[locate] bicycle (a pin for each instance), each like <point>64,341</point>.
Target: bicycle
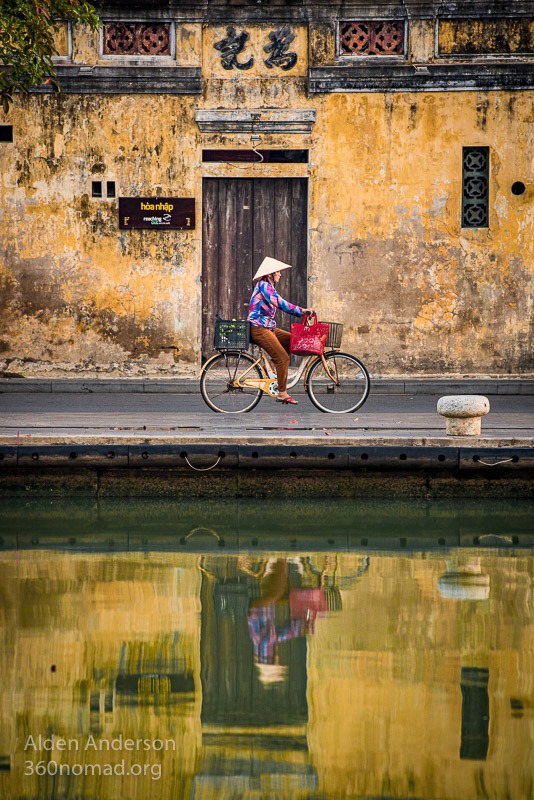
<point>233,380</point>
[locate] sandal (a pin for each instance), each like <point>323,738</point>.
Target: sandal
<point>287,400</point>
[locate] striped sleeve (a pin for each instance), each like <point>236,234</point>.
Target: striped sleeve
<point>272,297</point>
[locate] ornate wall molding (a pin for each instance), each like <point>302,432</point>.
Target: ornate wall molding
<point>255,120</point>
<point>125,79</point>
<point>429,77</point>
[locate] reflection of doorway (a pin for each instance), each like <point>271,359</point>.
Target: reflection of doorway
<point>243,220</point>
<point>232,694</point>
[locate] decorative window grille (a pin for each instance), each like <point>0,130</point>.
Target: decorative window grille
<point>372,38</point>
<point>475,187</point>
<point>137,39</point>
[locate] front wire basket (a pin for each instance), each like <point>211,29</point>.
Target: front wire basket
<point>335,334</point>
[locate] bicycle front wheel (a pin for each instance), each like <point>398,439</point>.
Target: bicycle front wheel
<point>342,388</point>
<point>218,383</point>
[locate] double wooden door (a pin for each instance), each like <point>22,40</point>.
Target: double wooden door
<point>244,220</point>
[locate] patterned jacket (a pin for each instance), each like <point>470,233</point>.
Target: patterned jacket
<point>264,303</point>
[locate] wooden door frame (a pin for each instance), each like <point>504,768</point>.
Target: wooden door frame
<point>284,233</point>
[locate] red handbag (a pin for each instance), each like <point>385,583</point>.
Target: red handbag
<point>306,604</point>
<point>308,338</point>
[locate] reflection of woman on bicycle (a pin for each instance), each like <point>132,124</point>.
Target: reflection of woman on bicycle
<point>264,303</point>
<point>293,592</point>
<point>279,614</point>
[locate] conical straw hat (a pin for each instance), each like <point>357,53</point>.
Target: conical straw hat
<point>269,265</point>
<point>271,673</point>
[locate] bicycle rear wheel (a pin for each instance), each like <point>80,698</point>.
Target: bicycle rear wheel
<point>342,391</point>
<point>218,387</point>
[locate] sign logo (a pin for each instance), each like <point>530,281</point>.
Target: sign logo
<point>163,213</point>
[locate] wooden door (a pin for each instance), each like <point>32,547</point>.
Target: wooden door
<point>244,220</point>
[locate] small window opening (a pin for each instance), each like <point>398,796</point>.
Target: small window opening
<point>518,188</point>
<point>475,187</point>
<point>269,156</point>
<point>6,133</point>
<point>96,188</point>
<point>137,39</point>
<point>372,37</point>
<point>110,188</point>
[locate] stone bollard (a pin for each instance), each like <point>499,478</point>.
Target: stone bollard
<point>462,413</point>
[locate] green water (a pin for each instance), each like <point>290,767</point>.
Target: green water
<point>341,649</point>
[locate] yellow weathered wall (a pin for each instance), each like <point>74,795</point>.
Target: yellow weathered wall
<point>486,36</point>
<point>79,293</point>
<point>385,702</point>
<point>79,614</point>
<point>387,255</point>
<point>61,40</point>
<point>417,292</point>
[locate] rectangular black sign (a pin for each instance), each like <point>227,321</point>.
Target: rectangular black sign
<point>161,213</point>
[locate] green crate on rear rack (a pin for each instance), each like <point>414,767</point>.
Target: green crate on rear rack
<point>232,334</point>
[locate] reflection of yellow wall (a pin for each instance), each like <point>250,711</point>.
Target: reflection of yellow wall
<point>384,697</point>
<point>81,615</point>
<point>387,255</point>
<point>384,683</point>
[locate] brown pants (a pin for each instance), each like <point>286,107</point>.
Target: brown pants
<point>276,344</point>
<point>275,586</point>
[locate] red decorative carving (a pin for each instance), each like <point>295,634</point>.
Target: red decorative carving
<point>372,38</point>
<point>137,39</point>
<point>154,40</point>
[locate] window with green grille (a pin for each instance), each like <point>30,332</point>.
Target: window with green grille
<point>475,187</point>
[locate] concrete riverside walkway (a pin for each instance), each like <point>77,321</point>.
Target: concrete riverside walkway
<point>105,412</point>
<point>159,439</point>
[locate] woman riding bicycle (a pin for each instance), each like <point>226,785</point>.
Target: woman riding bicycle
<point>234,380</point>
<point>264,303</point>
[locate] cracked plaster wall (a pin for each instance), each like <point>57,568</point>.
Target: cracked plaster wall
<point>418,292</point>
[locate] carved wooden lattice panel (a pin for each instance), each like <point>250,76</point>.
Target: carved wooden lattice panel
<point>137,39</point>
<point>372,38</point>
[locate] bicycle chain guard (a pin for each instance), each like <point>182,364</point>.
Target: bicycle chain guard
<point>267,385</point>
